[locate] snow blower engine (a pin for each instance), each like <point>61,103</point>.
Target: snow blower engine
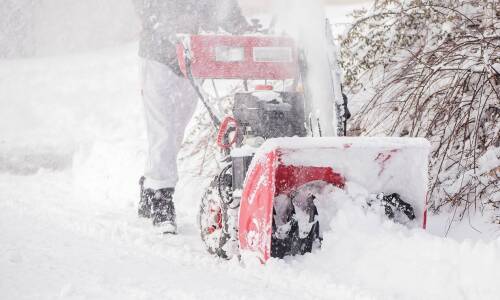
<point>265,202</point>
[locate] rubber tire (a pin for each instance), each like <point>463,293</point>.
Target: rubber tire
<point>215,241</point>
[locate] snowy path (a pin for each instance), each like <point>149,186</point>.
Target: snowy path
<point>60,248</point>
<point>71,150</point>
<point>60,251</point>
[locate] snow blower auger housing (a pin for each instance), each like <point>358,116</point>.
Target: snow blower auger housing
<point>265,201</point>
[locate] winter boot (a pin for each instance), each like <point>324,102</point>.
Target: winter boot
<point>144,209</point>
<point>158,205</point>
<point>163,210</point>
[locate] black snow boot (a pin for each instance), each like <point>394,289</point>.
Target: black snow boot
<point>158,205</point>
<point>144,209</point>
<point>163,210</point>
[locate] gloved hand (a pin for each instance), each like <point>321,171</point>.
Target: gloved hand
<point>255,26</point>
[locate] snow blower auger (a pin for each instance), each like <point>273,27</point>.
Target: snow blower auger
<point>264,202</point>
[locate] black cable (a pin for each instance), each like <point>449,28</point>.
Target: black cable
<point>347,113</point>
<point>220,184</point>
<point>216,122</point>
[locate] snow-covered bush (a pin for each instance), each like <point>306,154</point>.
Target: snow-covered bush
<point>432,69</point>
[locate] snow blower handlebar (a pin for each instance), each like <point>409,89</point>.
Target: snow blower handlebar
<point>235,57</point>
<point>239,57</point>
<point>187,62</point>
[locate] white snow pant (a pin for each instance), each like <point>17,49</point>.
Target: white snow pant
<point>169,104</point>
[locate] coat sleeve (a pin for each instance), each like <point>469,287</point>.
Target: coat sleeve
<point>230,18</point>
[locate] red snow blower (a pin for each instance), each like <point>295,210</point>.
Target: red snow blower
<point>264,202</point>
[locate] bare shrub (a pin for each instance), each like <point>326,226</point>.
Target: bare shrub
<point>432,69</point>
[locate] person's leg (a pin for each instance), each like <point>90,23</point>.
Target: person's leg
<point>169,103</point>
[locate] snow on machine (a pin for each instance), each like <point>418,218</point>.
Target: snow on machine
<point>280,157</point>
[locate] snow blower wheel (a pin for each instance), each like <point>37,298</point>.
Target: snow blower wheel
<point>213,216</point>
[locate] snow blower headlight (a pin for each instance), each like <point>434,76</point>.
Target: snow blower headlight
<point>272,54</point>
<point>229,54</point>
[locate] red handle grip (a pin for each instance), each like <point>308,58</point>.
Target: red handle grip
<point>223,130</point>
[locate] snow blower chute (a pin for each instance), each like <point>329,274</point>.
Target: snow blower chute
<point>264,201</point>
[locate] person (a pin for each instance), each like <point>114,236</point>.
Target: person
<point>169,99</point>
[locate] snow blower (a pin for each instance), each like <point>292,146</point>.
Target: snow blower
<point>264,202</point>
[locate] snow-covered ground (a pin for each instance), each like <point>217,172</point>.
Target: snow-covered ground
<point>72,146</point>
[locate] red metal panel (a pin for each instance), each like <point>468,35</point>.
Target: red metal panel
<point>255,222</point>
<point>205,65</point>
<point>269,178</point>
<point>289,178</point>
